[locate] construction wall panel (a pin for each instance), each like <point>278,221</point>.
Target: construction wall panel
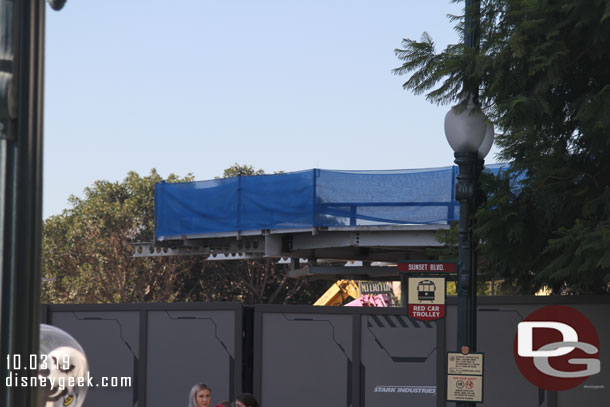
<point>189,347</point>
<point>111,342</point>
<point>306,360</point>
<point>398,361</point>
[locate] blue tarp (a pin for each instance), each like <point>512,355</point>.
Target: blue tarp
<point>305,199</point>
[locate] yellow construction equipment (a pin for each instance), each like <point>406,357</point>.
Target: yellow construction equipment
<point>339,292</point>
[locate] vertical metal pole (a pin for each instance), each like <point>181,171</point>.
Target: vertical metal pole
<point>477,200</point>
<point>467,195</point>
<point>21,188</point>
<point>466,290</point>
<point>7,191</point>
<point>472,10</point>
<point>472,14</point>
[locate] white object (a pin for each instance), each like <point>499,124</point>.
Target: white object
<point>465,131</point>
<point>64,367</point>
<point>525,338</point>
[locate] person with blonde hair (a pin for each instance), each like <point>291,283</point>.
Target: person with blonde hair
<point>201,396</point>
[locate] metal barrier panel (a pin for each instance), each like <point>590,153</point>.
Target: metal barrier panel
<point>164,349</point>
<point>305,355</point>
<point>110,340</point>
<point>398,361</point>
<point>595,391</point>
<point>504,385</point>
<point>306,360</point>
<point>335,356</point>
<point>189,347</point>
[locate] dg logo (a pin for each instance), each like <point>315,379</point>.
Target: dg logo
<point>556,348</point>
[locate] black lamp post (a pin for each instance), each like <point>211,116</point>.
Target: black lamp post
<point>471,137</point>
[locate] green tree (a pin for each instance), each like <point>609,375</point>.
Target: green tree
<point>543,72</point>
<point>237,169</point>
<point>86,251</point>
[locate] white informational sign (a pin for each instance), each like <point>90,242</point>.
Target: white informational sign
<point>465,388</point>
<point>470,364</point>
<point>465,376</point>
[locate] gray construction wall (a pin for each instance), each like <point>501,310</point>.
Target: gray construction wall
<point>344,356</point>
<point>504,384</point>
<point>164,348</point>
<point>305,355</point>
<point>185,347</point>
<point>398,359</point>
<point>111,342</point>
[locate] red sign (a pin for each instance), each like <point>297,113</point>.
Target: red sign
<point>557,348</point>
<point>427,267</point>
<point>426,312</point>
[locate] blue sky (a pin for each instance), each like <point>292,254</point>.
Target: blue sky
<point>194,86</point>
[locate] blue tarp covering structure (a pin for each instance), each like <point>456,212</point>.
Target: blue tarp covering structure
<point>306,199</point>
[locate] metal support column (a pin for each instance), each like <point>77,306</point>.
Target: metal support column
<point>467,281</point>
<point>21,100</point>
<point>466,194</point>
